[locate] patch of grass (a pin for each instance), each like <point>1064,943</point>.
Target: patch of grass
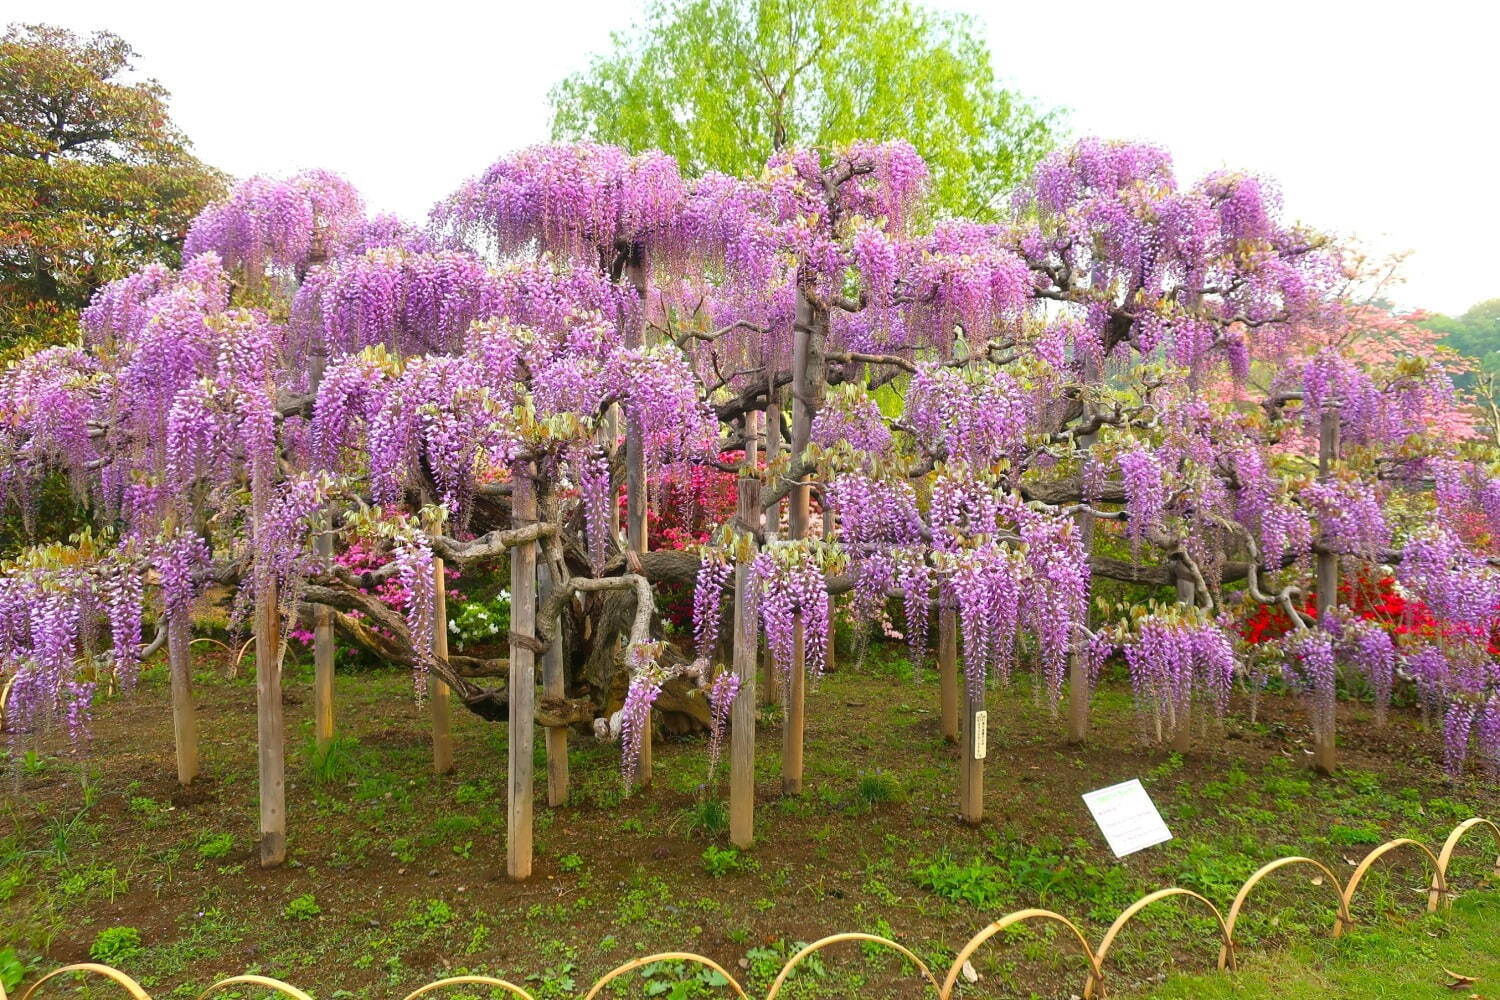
<point>114,945</point>
<point>877,788</point>
<point>304,907</point>
<point>1408,959</point>
<point>709,817</point>
<point>212,846</point>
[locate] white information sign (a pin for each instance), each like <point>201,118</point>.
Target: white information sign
<point>1127,817</point>
<point>981,735</point>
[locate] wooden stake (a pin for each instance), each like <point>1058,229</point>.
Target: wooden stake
<point>808,387</point>
<point>184,712</point>
<point>554,685</point>
<point>770,691</point>
<point>323,647</point>
<point>522,684</point>
<point>270,727</point>
<point>1078,666</point>
<point>948,681</point>
<point>1325,751</point>
<point>1182,722</point>
<point>830,658</point>
<point>746,638</point>
<point>634,274</point>
<point>975,749</point>
<point>437,689</point>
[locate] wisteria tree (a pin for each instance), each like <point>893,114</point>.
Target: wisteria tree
<point>1126,379</point>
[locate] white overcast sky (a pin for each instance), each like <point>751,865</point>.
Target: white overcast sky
<point>1376,118</point>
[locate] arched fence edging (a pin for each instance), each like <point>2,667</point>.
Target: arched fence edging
<point>1439,893</point>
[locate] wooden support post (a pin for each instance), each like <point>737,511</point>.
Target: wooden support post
<point>522,733</point>
<point>438,692</point>
<point>323,670</point>
<point>184,712</point>
<point>323,647</point>
<point>1325,750</point>
<point>554,685</point>
<point>635,479</point>
<point>1078,664</point>
<point>809,384</point>
<point>746,639</point>
<point>270,724</point>
<point>1182,715</point>
<point>947,662</point>
<point>770,691</point>
<point>975,749</point>
<point>830,658</point>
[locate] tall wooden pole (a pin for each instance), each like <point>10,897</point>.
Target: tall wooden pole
<point>323,647</point>
<point>746,638</point>
<point>1325,749</point>
<point>554,685</point>
<point>771,689</point>
<point>519,788</point>
<point>947,663</point>
<point>1078,665</point>
<point>438,692</point>
<point>184,712</point>
<point>1182,715</point>
<point>809,383</point>
<point>975,743</point>
<point>270,724</point>
<point>830,662</point>
<point>635,475</point>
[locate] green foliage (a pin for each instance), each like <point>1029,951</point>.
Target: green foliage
<point>115,945</point>
<point>304,907</point>
<point>12,969</point>
<point>877,788</point>
<point>722,84</point>
<point>976,882</point>
<point>212,846</point>
<point>1476,333</point>
<point>680,981</point>
<point>333,763</point>
<point>1355,836</point>
<point>95,180</point>
<point>570,863</point>
<point>709,817</point>
<point>428,916</point>
<point>478,622</point>
<point>721,861</point>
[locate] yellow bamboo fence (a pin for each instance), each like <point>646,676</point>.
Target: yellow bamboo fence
<point>1341,899</point>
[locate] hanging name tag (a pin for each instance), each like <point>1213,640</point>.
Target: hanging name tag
<point>981,735</point>
<point>1127,817</point>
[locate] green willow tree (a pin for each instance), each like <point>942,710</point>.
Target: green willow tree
<point>95,179</point>
<point>722,84</point>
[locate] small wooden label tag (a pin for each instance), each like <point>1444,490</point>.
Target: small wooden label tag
<point>981,734</point>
